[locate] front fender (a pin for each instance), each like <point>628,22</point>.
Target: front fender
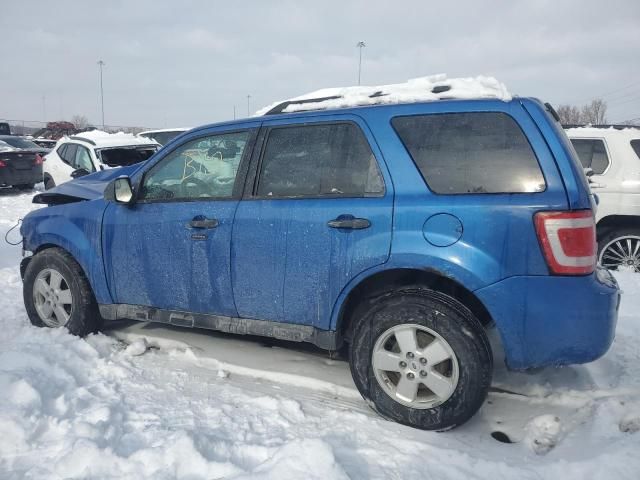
<point>76,228</point>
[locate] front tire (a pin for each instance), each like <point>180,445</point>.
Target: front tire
<point>57,294</point>
<point>49,183</point>
<point>420,358</point>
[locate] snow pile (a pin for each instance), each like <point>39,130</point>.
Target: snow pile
<point>121,137</point>
<point>543,433</point>
<point>423,89</point>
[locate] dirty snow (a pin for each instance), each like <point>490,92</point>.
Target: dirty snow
<point>145,401</point>
<point>414,90</point>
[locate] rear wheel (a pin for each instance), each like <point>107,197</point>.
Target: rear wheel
<point>57,294</point>
<point>620,250</point>
<point>420,358</point>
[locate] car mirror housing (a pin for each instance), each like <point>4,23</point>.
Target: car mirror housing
<point>80,172</point>
<point>119,191</point>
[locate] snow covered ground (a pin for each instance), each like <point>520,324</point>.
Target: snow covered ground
<point>145,401</point>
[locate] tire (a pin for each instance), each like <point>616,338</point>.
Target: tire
<point>49,183</point>
<point>25,186</point>
<point>622,255</point>
<point>437,317</point>
<point>83,316</point>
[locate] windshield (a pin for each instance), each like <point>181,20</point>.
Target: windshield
<point>162,137</point>
<point>18,142</point>
<point>124,156</point>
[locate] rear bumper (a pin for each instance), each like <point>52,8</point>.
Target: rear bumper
<point>554,320</point>
<point>9,176</point>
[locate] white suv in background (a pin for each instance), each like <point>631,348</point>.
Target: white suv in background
<point>613,155</point>
<point>88,152</point>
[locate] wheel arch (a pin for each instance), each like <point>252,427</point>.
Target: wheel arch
<point>611,222</point>
<point>389,279</point>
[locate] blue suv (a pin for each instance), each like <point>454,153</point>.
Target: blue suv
<point>403,231</point>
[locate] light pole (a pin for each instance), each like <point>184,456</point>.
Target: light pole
<point>101,64</point>
<point>360,46</point>
<point>248,109</point>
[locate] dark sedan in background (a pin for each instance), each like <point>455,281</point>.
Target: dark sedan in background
<point>20,162</point>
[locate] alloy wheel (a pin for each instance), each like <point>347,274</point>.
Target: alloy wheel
<point>622,253</point>
<point>52,298</point>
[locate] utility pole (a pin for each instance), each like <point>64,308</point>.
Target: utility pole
<point>360,46</point>
<point>44,109</point>
<point>248,109</point>
<point>234,112</point>
<point>101,64</point>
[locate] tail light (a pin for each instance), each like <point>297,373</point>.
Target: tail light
<point>2,164</point>
<point>568,241</point>
<point>38,160</point>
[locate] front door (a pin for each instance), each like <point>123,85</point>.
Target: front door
<point>171,249</point>
<point>318,215</point>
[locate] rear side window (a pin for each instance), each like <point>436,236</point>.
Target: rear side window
<point>635,144</point>
<point>69,153</point>
<point>592,154</point>
<point>474,152</point>
<point>319,160</point>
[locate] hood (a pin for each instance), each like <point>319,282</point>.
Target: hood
<point>89,187</point>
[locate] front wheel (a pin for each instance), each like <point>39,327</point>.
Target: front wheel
<point>57,294</point>
<point>421,358</point>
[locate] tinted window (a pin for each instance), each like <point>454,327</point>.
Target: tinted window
<point>69,153</point>
<point>18,142</point>
<point>479,152</point>
<point>592,154</point>
<point>635,144</point>
<point>203,168</point>
<point>312,160</point>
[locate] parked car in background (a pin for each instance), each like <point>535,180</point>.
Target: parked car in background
<point>44,142</point>
<point>612,153</point>
<point>383,227</point>
<point>163,136</point>
<point>20,162</point>
<point>5,128</point>
<point>89,152</point>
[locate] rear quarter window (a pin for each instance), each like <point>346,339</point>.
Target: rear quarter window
<point>474,152</point>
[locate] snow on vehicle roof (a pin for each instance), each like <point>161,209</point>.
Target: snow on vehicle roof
<point>104,139</point>
<point>423,89</point>
<point>631,132</point>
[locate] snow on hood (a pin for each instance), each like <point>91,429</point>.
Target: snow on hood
<point>423,89</point>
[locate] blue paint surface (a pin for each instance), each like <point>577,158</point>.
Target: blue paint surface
<point>276,259</point>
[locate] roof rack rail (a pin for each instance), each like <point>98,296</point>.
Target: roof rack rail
<point>617,126</point>
<point>281,107</point>
<point>82,139</point>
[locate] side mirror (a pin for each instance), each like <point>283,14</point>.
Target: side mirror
<point>81,172</point>
<point>119,191</point>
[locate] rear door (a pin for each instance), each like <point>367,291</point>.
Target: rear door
<point>318,214</point>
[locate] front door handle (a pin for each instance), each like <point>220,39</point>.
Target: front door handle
<point>203,222</point>
<point>349,222</point>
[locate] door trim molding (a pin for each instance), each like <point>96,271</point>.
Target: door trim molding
<point>325,339</point>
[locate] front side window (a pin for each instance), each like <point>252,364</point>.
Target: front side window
<point>83,159</point>
<point>592,154</point>
<point>203,168</point>
<point>474,152</point>
<point>319,160</point>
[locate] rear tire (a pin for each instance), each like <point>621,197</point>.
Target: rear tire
<point>49,183</point>
<point>452,356</point>
<point>57,294</point>
<point>620,248</point>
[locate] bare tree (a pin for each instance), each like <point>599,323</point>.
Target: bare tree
<point>80,122</point>
<point>595,113</point>
<point>569,115</point>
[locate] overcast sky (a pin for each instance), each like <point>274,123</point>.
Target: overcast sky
<point>188,63</point>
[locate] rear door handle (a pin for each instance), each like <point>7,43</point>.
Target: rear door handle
<point>202,222</point>
<point>349,222</point>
